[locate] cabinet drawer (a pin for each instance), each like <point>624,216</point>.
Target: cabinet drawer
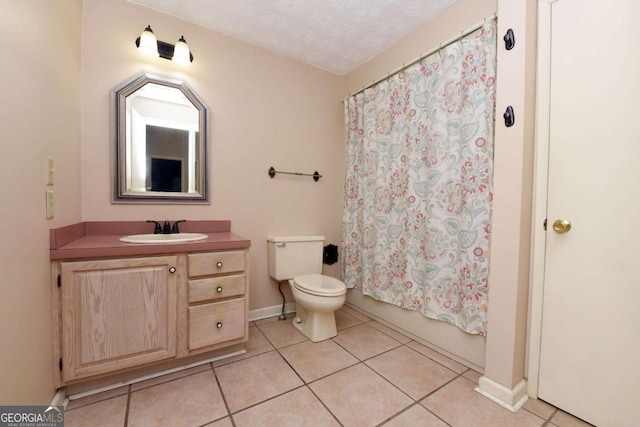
<point>216,288</point>
<point>215,263</point>
<point>215,323</point>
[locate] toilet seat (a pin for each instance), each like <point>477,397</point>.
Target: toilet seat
<point>318,284</point>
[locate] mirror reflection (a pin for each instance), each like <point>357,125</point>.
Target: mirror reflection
<point>161,142</point>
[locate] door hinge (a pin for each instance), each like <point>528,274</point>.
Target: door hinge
<point>59,280</point>
<point>544,224</point>
<point>60,364</point>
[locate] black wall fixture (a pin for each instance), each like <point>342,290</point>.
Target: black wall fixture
<point>330,254</point>
<point>509,117</point>
<point>509,39</point>
<point>509,42</point>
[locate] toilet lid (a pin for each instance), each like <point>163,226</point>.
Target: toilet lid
<point>319,284</point>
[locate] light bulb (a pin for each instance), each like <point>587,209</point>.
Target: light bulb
<point>181,54</point>
<point>148,42</point>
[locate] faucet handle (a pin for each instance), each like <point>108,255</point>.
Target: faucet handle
<point>175,229</point>
<point>158,228</point>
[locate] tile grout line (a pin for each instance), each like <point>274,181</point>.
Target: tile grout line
<point>363,362</point>
<point>274,349</point>
<point>127,407</point>
<point>402,344</point>
<point>414,404</point>
<point>323,404</point>
<point>415,401</point>
<point>547,422</point>
<point>306,384</point>
<point>224,399</point>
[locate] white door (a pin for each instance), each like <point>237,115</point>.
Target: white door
<point>590,349</point>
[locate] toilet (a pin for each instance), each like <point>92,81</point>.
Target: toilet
<point>298,259</point>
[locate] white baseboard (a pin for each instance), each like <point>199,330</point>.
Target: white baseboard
<point>511,399</point>
<point>274,310</point>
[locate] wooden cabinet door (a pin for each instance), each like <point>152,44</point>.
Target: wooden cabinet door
<point>117,314</point>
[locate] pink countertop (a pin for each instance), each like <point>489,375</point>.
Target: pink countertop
<point>102,239</point>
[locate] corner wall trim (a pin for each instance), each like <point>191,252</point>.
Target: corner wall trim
<point>511,399</point>
<point>60,398</point>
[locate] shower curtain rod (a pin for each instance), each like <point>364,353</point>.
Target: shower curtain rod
<point>424,55</point>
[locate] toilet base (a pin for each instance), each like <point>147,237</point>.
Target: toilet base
<point>315,326</point>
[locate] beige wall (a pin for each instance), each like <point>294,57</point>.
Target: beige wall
<point>512,202</point>
<point>464,14</point>
<point>40,116</point>
<point>266,110</point>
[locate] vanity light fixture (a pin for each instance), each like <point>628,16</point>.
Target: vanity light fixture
<point>148,44</point>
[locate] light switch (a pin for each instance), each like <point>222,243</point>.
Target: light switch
<point>49,169</point>
<point>49,204</point>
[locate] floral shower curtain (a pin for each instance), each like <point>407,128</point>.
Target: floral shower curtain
<point>418,184</point>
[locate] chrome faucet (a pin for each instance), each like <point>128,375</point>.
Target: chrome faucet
<point>166,229</point>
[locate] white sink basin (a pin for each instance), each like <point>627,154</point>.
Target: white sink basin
<point>163,238</point>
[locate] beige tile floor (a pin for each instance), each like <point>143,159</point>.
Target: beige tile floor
<point>368,375</point>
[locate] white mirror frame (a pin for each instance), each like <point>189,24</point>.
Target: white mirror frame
<point>122,189</point>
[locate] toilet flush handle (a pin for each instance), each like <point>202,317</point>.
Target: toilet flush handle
<point>281,245</point>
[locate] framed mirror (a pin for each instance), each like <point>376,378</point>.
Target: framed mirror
<point>161,142</point>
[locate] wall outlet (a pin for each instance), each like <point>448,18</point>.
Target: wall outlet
<point>49,169</point>
<point>49,204</point>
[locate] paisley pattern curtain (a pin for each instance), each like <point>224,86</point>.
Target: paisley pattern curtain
<point>418,184</point>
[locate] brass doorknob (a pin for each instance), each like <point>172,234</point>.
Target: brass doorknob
<point>561,225</point>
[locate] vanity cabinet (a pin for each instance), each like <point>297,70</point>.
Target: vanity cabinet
<point>117,315</point>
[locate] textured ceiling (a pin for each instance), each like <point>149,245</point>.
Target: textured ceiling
<point>336,35</point>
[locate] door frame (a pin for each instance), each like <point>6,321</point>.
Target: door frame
<point>540,194</point>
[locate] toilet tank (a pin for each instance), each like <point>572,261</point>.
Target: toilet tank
<point>294,255</point>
